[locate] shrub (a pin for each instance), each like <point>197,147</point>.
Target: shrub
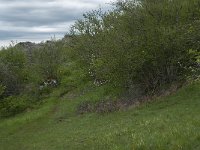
<point>13,105</point>
<point>2,89</point>
<point>143,43</point>
<point>14,71</point>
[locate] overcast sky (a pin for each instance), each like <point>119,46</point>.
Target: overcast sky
<point>39,20</point>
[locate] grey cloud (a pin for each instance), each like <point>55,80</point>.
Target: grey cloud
<point>25,17</point>
<point>5,35</point>
<point>41,18</point>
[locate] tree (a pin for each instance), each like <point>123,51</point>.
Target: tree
<point>143,42</point>
<point>14,71</point>
<point>47,60</point>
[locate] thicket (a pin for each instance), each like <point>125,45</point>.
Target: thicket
<point>143,44</point>
<point>138,46</point>
<point>28,76</point>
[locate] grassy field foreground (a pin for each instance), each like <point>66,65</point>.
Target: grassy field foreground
<point>170,123</point>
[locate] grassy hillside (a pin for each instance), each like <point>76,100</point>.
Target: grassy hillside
<point>171,123</point>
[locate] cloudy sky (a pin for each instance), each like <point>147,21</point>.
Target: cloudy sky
<point>39,20</point>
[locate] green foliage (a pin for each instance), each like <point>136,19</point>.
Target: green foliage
<point>137,48</point>
<point>72,76</point>
<point>144,43</point>
<point>2,88</point>
<point>14,70</point>
<point>13,105</point>
<point>48,58</point>
<point>29,72</point>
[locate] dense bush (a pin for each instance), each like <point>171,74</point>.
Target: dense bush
<point>144,42</point>
<point>13,105</point>
<point>32,72</point>
<point>2,88</point>
<point>48,58</point>
<point>14,73</point>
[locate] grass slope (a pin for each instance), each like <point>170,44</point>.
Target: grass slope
<point>171,123</point>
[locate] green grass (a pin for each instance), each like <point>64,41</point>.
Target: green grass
<point>170,123</point>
